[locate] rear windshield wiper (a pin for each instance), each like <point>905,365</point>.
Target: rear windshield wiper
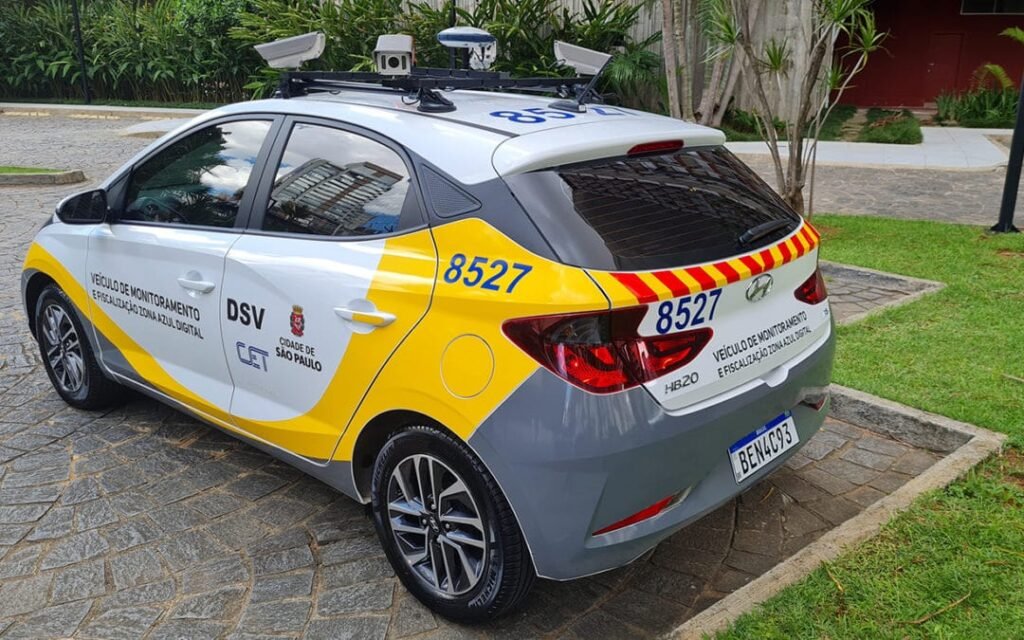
<point>761,230</point>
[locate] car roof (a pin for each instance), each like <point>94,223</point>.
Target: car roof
<point>489,134</point>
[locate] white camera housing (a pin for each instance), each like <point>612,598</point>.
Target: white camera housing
<point>290,53</point>
<point>585,61</point>
<point>483,47</point>
<point>393,55</point>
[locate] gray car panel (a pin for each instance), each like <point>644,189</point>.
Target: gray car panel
<point>571,462</point>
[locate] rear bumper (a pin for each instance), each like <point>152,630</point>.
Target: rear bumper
<point>571,462</point>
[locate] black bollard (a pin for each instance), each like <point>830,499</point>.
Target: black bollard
<point>1012,185</point>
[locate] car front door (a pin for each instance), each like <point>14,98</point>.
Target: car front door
<point>337,268</point>
<point>156,270</point>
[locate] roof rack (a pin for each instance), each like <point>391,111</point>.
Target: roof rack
<point>422,85</point>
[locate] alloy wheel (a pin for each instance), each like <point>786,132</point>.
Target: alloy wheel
<point>436,525</point>
<point>63,349</point>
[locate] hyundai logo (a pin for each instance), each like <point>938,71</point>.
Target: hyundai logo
<point>760,287</point>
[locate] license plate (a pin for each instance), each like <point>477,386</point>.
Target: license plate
<point>761,446</point>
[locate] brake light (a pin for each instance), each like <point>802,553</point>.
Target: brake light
<point>602,352</point>
<point>812,291</point>
<point>643,514</point>
<point>662,146</point>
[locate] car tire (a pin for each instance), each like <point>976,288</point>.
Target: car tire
<point>457,546</point>
<point>68,356</point>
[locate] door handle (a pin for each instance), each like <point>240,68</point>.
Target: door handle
<point>375,319</point>
<point>196,284</point>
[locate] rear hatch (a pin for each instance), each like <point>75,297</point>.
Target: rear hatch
<point>712,279</point>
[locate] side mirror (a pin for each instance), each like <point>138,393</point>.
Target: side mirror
<point>89,207</point>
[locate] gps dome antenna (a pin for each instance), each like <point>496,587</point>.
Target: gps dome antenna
<point>585,62</point>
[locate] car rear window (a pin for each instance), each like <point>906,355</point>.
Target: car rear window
<point>652,212</point>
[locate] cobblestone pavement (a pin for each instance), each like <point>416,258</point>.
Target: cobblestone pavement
<point>142,522</point>
<point>965,197</point>
<point>855,292</point>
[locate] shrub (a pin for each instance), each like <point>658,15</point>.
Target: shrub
<point>891,127</point>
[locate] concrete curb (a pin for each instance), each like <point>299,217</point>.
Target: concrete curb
<point>867,411</point>
<point>35,179</point>
<point>99,112</point>
<point>926,287</point>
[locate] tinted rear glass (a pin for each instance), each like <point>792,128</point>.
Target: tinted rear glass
<point>652,212</point>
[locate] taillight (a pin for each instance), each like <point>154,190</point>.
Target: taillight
<point>812,291</point>
<point>602,352</point>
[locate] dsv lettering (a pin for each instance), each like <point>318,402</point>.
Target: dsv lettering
<point>245,313</point>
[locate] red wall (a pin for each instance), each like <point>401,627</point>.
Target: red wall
<point>919,59</point>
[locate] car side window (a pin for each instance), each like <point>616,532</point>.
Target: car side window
<point>198,180</point>
<point>336,183</point>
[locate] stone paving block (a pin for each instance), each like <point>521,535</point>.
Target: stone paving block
<point>278,511</point>
<point>57,523</point>
<point>52,622</point>
<point>843,429</point>
<point>154,592</point>
<point>135,567</point>
<point>846,470</point>
<point>889,481</point>
<point>121,624</point>
<point>865,496</point>
<point>279,587</point>
<point>238,530</point>
<point>224,571</point>
<point>132,534</point>
<point>131,503</point>
<point>797,487</point>
<point>79,582</point>
<point>676,587</point>
<point>222,604</point>
<point>728,580</point>
<point>914,462</point>
<point>828,482</point>
<point>282,561</point>
<point>598,624</point>
<point>368,627</point>
<point>275,617</point>
<point>90,515</point>
<point>883,446</point>
<point>798,521</point>
<point>20,562</point>
<point>411,618</point>
<point>13,533</point>
<point>357,571</point>
<point>81,490</point>
<point>176,517</point>
<point>652,614</point>
<point>372,596</point>
<point>22,513</point>
<point>32,478</point>
<point>869,459</point>
<point>75,548</point>
<point>351,549</point>
<point>191,547</point>
<point>188,630</point>
<point>822,444</point>
<point>24,595</point>
<point>255,485</point>
<point>214,505</point>
<point>28,495</point>
<point>835,510</point>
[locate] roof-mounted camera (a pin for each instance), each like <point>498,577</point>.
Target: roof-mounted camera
<point>290,53</point>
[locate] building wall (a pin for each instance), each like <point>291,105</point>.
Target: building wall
<point>932,48</point>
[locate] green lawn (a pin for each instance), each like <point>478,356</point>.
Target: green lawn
<point>959,352</point>
<point>5,169</point>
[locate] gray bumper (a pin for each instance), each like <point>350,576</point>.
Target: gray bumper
<point>571,462</point>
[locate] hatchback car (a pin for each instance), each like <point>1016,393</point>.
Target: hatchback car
<point>536,342</point>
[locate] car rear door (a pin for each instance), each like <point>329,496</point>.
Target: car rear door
<point>713,266</point>
<point>336,269</point>
<point>157,269</point>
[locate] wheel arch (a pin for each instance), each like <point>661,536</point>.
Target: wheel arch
<point>375,434</point>
<point>32,289</point>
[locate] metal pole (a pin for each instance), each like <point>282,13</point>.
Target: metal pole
<point>1012,185</point>
<point>81,52</point>
<point>451,51</point>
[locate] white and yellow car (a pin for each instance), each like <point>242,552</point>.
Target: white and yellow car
<point>538,342</point>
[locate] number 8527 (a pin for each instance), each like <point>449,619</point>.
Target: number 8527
<point>689,311</point>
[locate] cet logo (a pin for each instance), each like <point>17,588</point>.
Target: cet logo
<point>252,356</point>
<point>760,287</point>
<point>298,321</point>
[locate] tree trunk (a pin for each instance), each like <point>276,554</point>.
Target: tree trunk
<point>681,22</point>
<point>712,90</point>
<point>671,61</point>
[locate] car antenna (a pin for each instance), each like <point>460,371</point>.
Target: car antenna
<point>585,62</point>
